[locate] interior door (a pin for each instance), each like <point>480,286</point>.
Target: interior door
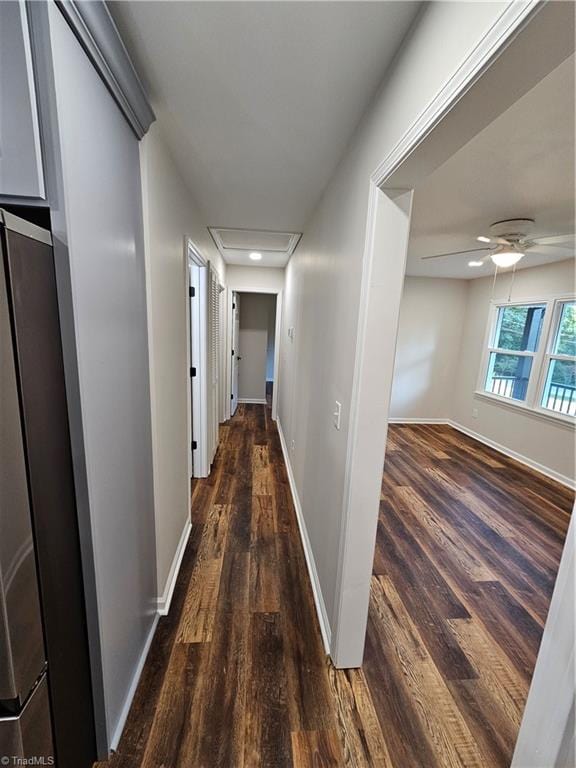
<point>191,296</point>
<point>235,350</point>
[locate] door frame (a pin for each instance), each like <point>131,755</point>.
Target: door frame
<point>233,310</point>
<point>493,76</point>
<point>458,112</point>
<point>197,357</point>
<point>228,346</point>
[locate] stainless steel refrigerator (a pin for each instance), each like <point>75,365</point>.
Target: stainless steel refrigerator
<point>25,722</point>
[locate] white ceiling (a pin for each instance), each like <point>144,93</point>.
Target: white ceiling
<point>259,99</point>
<point>520,166</point>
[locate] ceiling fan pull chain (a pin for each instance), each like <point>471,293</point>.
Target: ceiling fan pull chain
<point>494,281</point>
<point>512,283</point>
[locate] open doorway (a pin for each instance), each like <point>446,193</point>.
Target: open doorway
<point>478,483</point>
<point>253,332</point>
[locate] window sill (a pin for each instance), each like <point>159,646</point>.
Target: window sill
<point>537,413</point>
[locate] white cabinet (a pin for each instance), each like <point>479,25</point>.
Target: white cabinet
<point>20,156</point>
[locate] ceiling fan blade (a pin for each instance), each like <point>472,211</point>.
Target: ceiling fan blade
<point>554,239</point>
<point>557,246</point>
<point>547,252</point>
<point>454,253</point>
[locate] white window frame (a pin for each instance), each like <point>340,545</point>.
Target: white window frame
<point>549,354</point>
<point>541,357</point>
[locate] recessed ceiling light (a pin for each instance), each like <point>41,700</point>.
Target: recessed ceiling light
<point>483,239</point>
<point>255,256</point>
<point>475,263</point>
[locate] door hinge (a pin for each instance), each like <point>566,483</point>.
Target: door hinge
<point>232,353</point>
<point>192,372</point>
<point>231,397</point>
<point>194,445</point>
<point>191,291</point>
<point>233,305</point>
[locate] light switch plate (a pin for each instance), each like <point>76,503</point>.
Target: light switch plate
<point>337,414</point>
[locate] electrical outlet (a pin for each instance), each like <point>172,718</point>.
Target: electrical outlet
<point>336,415</point>
<point>292,446</point>
<point>474,413</point>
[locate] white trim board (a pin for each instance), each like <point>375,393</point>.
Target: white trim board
<point>163,605</point>
<point>163,602</point>
<point>133,686</point>
<point>307,547</point>
<point>228,344</point>
<point>551,473</point>
<point>254,400</point>
<point>416,420</point>
<point>512,19</point>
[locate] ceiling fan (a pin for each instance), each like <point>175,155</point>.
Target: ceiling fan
<point>509,241</point>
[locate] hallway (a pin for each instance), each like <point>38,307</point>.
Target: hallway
<point>237,674</point>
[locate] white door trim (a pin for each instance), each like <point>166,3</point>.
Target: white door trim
<point>409,161</point>
<point>400,170</point>
<point>198,358</point>
<point>514,16</point>
<point>277,331</point>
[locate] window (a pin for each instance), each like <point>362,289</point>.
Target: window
<point>531,356</point>
<point>516,336</point>
<point>559,393</point>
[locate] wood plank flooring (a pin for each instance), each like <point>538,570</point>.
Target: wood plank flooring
<point>467,551</point>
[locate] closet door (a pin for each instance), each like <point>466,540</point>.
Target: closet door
<point>111,422</point>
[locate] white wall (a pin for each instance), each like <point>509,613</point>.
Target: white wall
<point>170,214</point>
<point>256,309</point>
<point>323,278</point>
<point>549,443</point>
<point>104,235</point>
<point>264,279</point>
<point>428,347</point>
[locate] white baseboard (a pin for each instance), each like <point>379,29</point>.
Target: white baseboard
<point>308,554</point>
<point>416,420</point>
<point>254,400</point>
<point>163,606</point>
<point>163,602</point>
<point>551,473</point>
<point>133,685</point>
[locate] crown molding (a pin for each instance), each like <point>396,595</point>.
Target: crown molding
<point>96,31</point>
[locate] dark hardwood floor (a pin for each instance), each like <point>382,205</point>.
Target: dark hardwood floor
<point>467,552</point>
<point>468,547</point>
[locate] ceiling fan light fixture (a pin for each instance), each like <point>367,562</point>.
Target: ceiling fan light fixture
<point>506,256</point>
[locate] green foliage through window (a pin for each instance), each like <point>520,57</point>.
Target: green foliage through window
<point>519,327</point>
<point>565,343</point>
